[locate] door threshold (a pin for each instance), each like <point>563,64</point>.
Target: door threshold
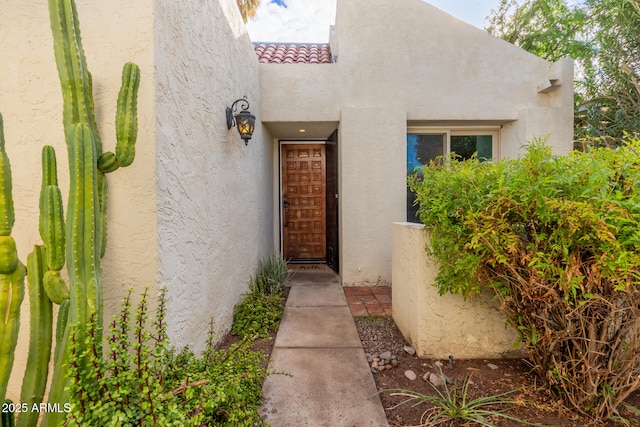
<point>307,261</point>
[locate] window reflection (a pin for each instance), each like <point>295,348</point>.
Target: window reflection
<point>421,149</point>
<point>466,145</point>
<point>426,147</point>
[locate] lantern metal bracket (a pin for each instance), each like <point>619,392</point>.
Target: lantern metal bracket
<point>244,120</point>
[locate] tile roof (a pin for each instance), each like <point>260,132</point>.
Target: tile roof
<point>293,53</point>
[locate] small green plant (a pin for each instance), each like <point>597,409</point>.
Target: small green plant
<point>220,388</point>
<point>633,411</point>
<point>143,381</point>
<point>454,405</point>
<point>127,385</point>
<point>271,275</point>
<point>261,311</point>
<point>258,314</point>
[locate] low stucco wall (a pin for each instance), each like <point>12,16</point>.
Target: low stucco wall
<point>441,325</point>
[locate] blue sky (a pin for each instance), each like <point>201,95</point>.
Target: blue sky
<point>309,20</point>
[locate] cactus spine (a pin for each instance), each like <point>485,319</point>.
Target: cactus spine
<point>81,240</point>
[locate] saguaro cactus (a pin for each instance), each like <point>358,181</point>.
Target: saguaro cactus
<point>12,273</point>
<point>80,240</point>
<point>52,228</point>
<point>86,213</point>
<point>35,376</point>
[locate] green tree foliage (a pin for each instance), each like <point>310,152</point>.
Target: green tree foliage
<point>550,29</point>
<point>602,37</point>
<point>557,238</point>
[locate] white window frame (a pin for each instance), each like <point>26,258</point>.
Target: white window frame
<point>494,131</point>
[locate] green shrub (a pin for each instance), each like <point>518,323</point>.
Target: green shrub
<point>271,275</point>
<point>258,314</point>
<point>261,311</point>
<point>143,381</point>
<point>558,240</point>
<point>220,388</point>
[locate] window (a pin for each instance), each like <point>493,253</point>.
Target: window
<point>425,145</point>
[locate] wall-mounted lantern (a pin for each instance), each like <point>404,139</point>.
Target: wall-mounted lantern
<point>244,120</point>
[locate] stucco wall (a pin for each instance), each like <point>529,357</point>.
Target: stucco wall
<point>370,175</point>
<point>214,193</point>
<point>429,61</point>
<point>442,325</point>
<point>416,65</point>
<point>113,33</point>
<point>300,92</point>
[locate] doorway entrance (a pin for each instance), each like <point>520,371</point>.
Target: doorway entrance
<point>304,202</point>
<point>309,201</point>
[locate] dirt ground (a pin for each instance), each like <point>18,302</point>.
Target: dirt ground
<point>533,405</point>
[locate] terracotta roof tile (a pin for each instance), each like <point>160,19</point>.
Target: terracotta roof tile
<point>290,53</point>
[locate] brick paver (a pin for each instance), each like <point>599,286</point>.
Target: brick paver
<point>369,300</point>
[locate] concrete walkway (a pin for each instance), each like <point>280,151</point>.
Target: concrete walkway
<point>317,344</point>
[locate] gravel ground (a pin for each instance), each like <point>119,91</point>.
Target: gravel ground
<point>486,378</point>
<point>379,334</point>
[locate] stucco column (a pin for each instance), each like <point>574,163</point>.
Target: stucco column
<point>372,191</point>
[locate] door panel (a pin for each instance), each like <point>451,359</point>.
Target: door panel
<point>333,257</point>
<point>304,201</point>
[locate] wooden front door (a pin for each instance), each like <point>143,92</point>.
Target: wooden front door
<point>304,201</point>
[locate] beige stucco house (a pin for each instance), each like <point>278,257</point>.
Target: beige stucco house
<point>323,177</point>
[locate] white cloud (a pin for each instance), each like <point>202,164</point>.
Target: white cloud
<point>309,20</point>
<point>300,21</point>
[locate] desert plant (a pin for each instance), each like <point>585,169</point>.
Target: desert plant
<point>454,404</point>
<point>143,381</point>
<point>261,310</point>
<point>12,273</point>
<point>127,386</point>
<point>556,238</point>
<point>271,275</point>
<point>83,236</point>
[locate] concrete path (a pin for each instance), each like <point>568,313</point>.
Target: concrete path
<point>318,346</point>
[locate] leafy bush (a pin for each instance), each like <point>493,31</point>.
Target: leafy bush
<point>145,382</point>
<point>223,387</point>
<point>557,238</point>
<point>258,314</point>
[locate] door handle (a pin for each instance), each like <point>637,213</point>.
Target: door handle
<point>285,203</point>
